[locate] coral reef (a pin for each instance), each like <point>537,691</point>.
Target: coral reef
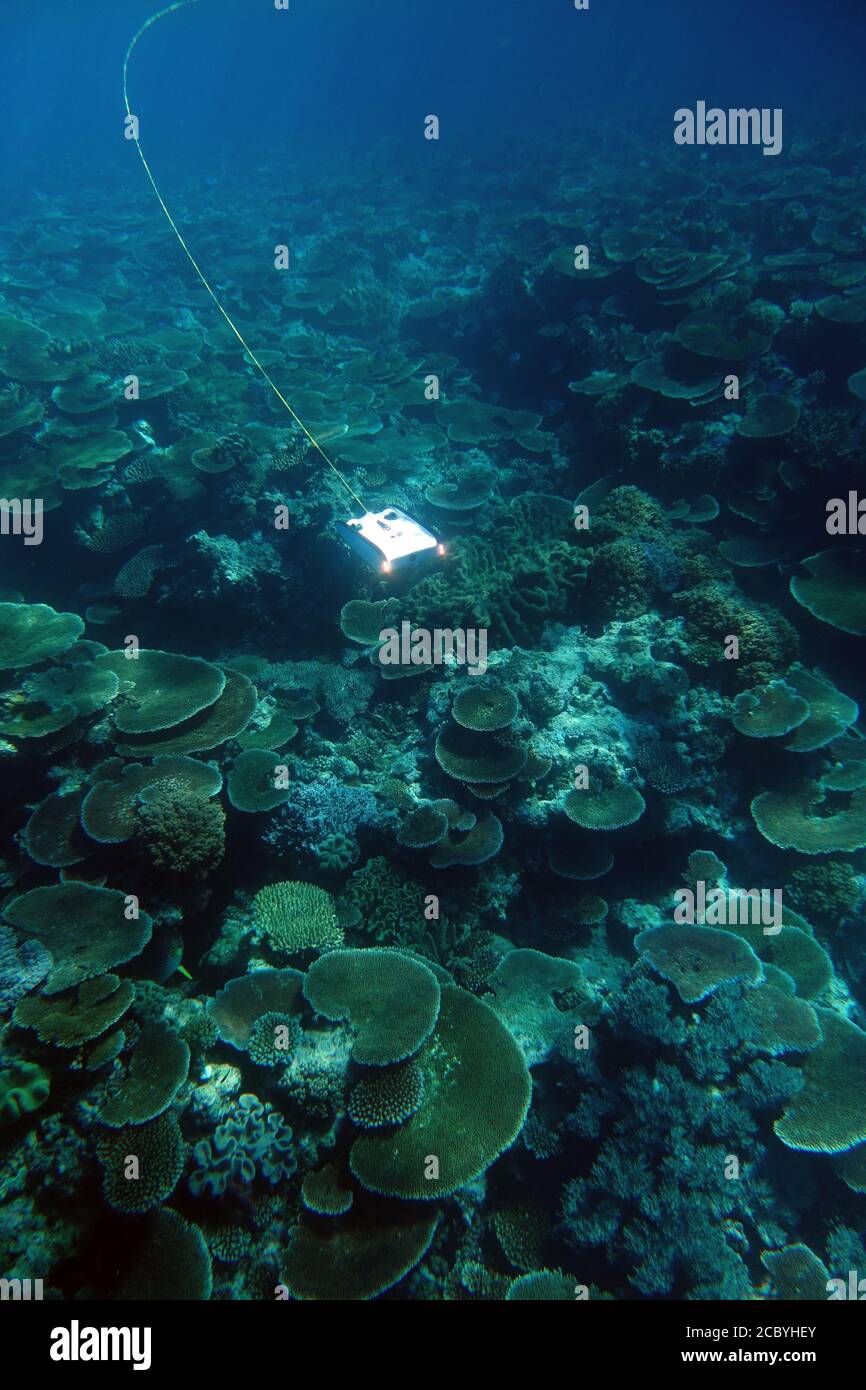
<point>330,979</point>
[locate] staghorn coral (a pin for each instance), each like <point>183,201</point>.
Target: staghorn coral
<point>297,917</point>
<point>327,811</point>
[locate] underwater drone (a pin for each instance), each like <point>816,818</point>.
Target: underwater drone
<point>389,540</point>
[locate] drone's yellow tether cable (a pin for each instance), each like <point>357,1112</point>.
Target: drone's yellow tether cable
<point>182,4</point>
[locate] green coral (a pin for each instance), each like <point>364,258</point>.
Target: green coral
<point>24,1086</point>
<point>111,810</point>
<point>481,842</point>
<point>141,1164</point>
<point>387,1096</point>
<point>297,917</point>
<point>543,1286</point>
<point>769,712</point>
<point>156,1072</point>
<point>391,905</point>
<point>238,1006</point>
<point>273,1037</point>
<point>600,807</point>
<point>833,589</point>
<point>344,1260</point>
<point>829,1114</point>
<point>68,1020</point>
<point>52,836</point>
<point>88,930</point>
<point>628,511</point>
<point>485,706</point>
<point>697,960</point>
<point>768,644</point>
<point>477,1090</point>
<point>827,891</point>
<point>422,827</point>
<point>255,781</point>
<point>226,718</point>
<point>390,1000</point>
<point>174,1263</point>
<point>797,1273</point>
<point>478,757</point>
<point>800,818</point>
<point>326,1193</point>
<point>182,834</point>
<point>160,689</point>
<point>30,632</point>
<point>511,585</point>
<point>620,579</point>
<point>336,852</point>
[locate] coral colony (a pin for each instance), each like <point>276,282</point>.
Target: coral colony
<point>375,920</point>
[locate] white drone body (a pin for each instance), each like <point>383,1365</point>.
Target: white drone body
<point>390,541</point>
